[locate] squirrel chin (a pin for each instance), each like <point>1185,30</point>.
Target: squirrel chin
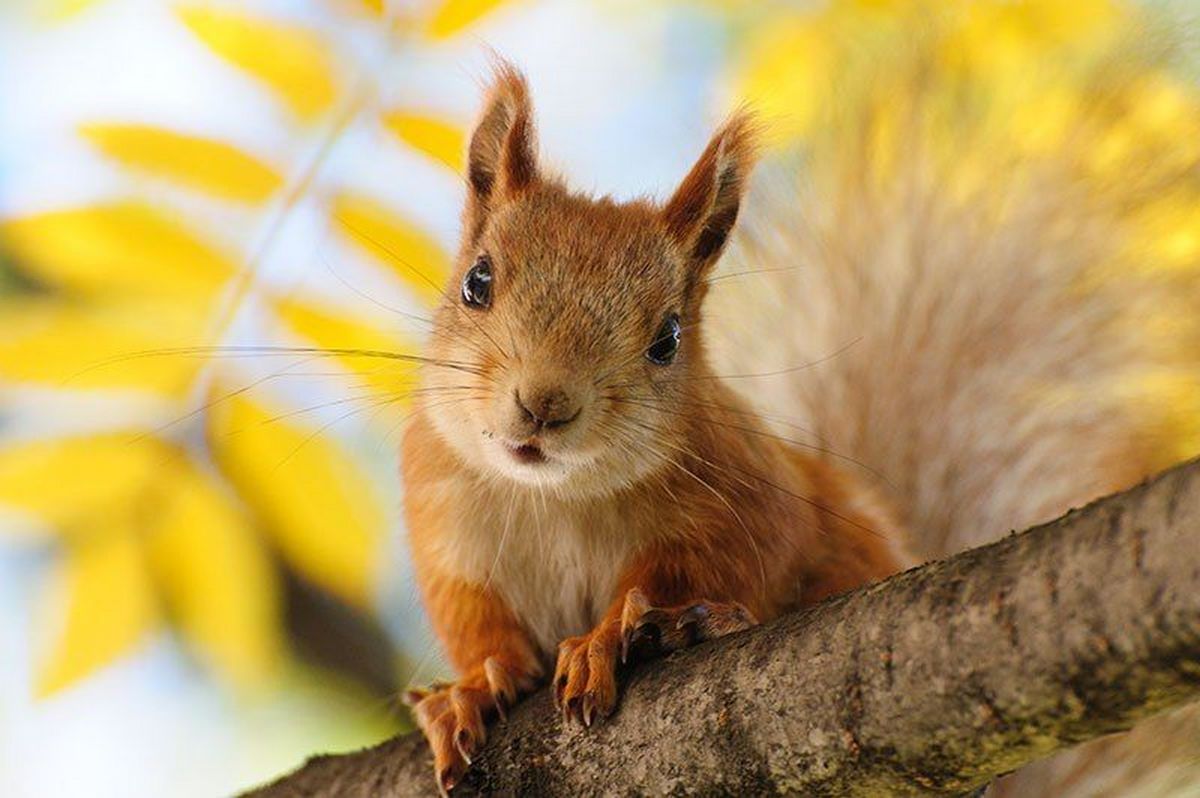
<point>530,464</point>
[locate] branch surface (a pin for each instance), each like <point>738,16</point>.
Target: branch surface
<point>929,683</point>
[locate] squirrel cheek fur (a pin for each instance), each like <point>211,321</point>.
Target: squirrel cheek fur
<point>570,503</point>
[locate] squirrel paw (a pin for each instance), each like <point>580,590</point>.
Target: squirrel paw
<point>648,632</point>
<point>454,716</point>
<point>585,680</point>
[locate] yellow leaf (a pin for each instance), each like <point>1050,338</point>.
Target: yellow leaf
<point>107,602</point>
<point>437,138</point>
<point>70,482</point>
<point>408,251</point>
<point>207,165</point>
<point>293,61</point>
<point>319,508</point>
<point>216,578</point>
<point>333,331</point>
<point>101,345</point>
<point>118,248</point>
<point>454,15</point>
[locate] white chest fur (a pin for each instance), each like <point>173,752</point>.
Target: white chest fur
<point>555,564</point>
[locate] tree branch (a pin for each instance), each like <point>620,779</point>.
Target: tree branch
<point>930,683</point>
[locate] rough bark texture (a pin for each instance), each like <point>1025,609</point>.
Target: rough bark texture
<point>931,683</point>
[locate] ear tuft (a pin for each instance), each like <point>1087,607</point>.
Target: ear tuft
<point>701,213</point>
<point>501,157</point>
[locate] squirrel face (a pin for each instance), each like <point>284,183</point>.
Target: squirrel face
<point>575,320</point>
<point>556,304</point>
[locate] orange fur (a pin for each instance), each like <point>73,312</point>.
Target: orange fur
<point>656,488</point>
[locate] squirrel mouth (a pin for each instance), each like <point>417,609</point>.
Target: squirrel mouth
<point>527,454</point>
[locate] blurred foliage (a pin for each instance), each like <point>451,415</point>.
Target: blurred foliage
<point>124,300</point>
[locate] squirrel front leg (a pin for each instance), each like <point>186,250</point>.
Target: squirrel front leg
<point>654,612</point>
<point>496,664</point>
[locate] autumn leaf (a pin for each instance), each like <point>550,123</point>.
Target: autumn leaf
<point>114,344</point>
<point>126,248</point>
<point>70,482</point>
<point>293,62</point>
<point>104,598</point>
<point>218,582</point>
<point>340,331</point>
<point>437,138</point>
<point>409,252</point>
<point>316,504</point>
<point>207,165</point>
<point>452,16</point>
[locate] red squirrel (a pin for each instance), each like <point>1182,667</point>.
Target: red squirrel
<point>582,488</point>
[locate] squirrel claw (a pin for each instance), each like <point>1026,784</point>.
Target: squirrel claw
<point>464,743</point>
<point>447,781</point>
<point>454,716</point>
<point>575,709</point>
<point>585,682</point>
<point>585,678</point>
<point>646,637</point>
<point>693,616</point>
<point>661,630</point>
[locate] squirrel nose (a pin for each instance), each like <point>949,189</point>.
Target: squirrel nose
<point>547,407</point>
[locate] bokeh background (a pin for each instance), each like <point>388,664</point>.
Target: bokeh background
<point>202,570</point>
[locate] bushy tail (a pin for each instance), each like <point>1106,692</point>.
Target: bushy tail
<point>982,293</point>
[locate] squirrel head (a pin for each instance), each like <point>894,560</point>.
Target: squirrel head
<point>577,319</point>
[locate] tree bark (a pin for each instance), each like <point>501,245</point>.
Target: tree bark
<point>930,683</point>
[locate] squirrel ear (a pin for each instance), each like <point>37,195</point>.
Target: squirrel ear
<point>501,160</point>
<point>701,212</point>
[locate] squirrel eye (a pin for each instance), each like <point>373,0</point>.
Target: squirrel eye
<point>666,342</point>
<point>477,284</point>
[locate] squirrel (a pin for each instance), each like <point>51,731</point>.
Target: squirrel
<point>581,487</point>
<point>586,483</point>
